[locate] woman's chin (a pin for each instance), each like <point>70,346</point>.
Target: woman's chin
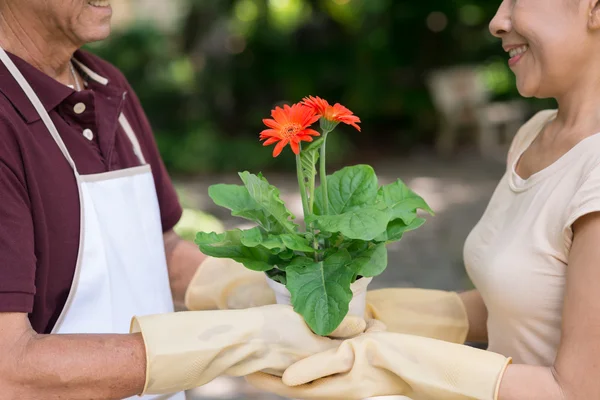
<point>525,89</point>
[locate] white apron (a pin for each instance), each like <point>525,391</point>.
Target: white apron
<point>121,266</point>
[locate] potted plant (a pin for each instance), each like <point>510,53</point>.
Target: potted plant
<point>349,219</point>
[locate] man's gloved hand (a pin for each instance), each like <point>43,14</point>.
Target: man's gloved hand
<point>188,349</point>
<point>223,284</point>
<point>431,313</point>
<point>385,364</point>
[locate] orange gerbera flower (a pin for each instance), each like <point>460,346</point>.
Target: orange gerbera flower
<point>336,113</point>
<point>289,125</point>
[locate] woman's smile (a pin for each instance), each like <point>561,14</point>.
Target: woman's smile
<point>516,53</point>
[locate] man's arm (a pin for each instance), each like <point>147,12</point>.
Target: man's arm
<point>34,366</point>
<point>183,259</point>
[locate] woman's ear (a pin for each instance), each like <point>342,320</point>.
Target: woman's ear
<point>594,17</point>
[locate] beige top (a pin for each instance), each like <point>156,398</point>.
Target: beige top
<point>517,253</point>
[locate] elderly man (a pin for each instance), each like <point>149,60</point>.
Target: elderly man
<point>86,240</point>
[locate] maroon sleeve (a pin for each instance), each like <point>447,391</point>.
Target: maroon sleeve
<point>170,208</point>
<point>17,254</point>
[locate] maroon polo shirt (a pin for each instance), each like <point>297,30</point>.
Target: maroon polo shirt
<point>39,201</point>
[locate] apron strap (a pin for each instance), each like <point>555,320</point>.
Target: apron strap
<point>132,138</point>
<point>39,107</point>
<point>37,104</point>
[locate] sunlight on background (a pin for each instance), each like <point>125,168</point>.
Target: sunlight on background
<point>245,17</point>
<point>287,15</point>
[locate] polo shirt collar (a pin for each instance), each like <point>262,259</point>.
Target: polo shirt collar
<point>50,92</point>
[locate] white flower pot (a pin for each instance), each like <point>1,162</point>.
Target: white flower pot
<point>357,304</point>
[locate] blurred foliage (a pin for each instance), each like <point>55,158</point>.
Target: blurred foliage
<point>207,84</point>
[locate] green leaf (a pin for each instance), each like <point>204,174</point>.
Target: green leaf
<point>363,224</point>
<point>321,290</point>
<point>370,262</point>
<point>229,245</point>
<point>252,237</point>
<point>348,189</point>
<point>314,145</point>
<point>402,201</point>
<point>396,229</point>
<point>286,255</point>
<point>308,162</point>
<point>296,242</point>
<point>308,158</point>
<point>257,237</point>
<point>267,198</point>
<point>237,199</point>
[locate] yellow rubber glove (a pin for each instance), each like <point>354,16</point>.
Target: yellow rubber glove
<point>223,284</point>
<point>385,364</point>
<point>435,314</point>
<point>188,349</point>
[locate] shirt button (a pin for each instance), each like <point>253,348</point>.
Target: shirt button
<point>88,134</point>
<point>79,108</point>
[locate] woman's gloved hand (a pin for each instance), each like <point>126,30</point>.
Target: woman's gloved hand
<point>435,314</point>
<point>223,284</point>
<point>188,349</point>
<point>385,364</point>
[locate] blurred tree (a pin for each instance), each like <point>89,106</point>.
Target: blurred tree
<point>207,86</point>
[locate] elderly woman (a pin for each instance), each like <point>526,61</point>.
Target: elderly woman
<point>534,256</point>
<point>86,241</point>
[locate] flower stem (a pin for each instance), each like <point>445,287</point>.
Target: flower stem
<point>302,186</point>
<point>323,177</point>
<point>311,193</point>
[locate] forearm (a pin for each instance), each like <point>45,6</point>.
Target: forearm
<point>477,315</point>
<point>74,367</point>
<point>183,259</point>
<point>531,382</point>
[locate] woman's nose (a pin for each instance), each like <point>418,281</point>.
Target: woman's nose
<point>501,23</point>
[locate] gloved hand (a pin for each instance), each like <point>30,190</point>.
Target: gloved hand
<point>223,284</point>
<point>384,364</point>
<point>431,313</point>
<point>188,349</point>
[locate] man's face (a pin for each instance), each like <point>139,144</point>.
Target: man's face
<point>80,21</point>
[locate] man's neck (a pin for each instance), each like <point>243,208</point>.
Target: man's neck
<point>49,54</point>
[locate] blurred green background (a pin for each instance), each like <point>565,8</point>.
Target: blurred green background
<point>208,71</point>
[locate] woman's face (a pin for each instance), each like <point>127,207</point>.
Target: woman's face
<point>79,21</point>
<point>548,43</point>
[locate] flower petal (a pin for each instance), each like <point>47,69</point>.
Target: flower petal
<point>310,132</point>
<point>270,133</point>
<point>279,115</point>
<point>279,147</point>
<point>316,103</point>
<point>295,146</point>
<point>271,141</point>
<point>271,123</point>
<point>356,126</point>
<point>305,138</point>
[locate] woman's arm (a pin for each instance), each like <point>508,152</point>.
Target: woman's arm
<point>577,367</point>
<point>477,315</point>
<point>74,367</point>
